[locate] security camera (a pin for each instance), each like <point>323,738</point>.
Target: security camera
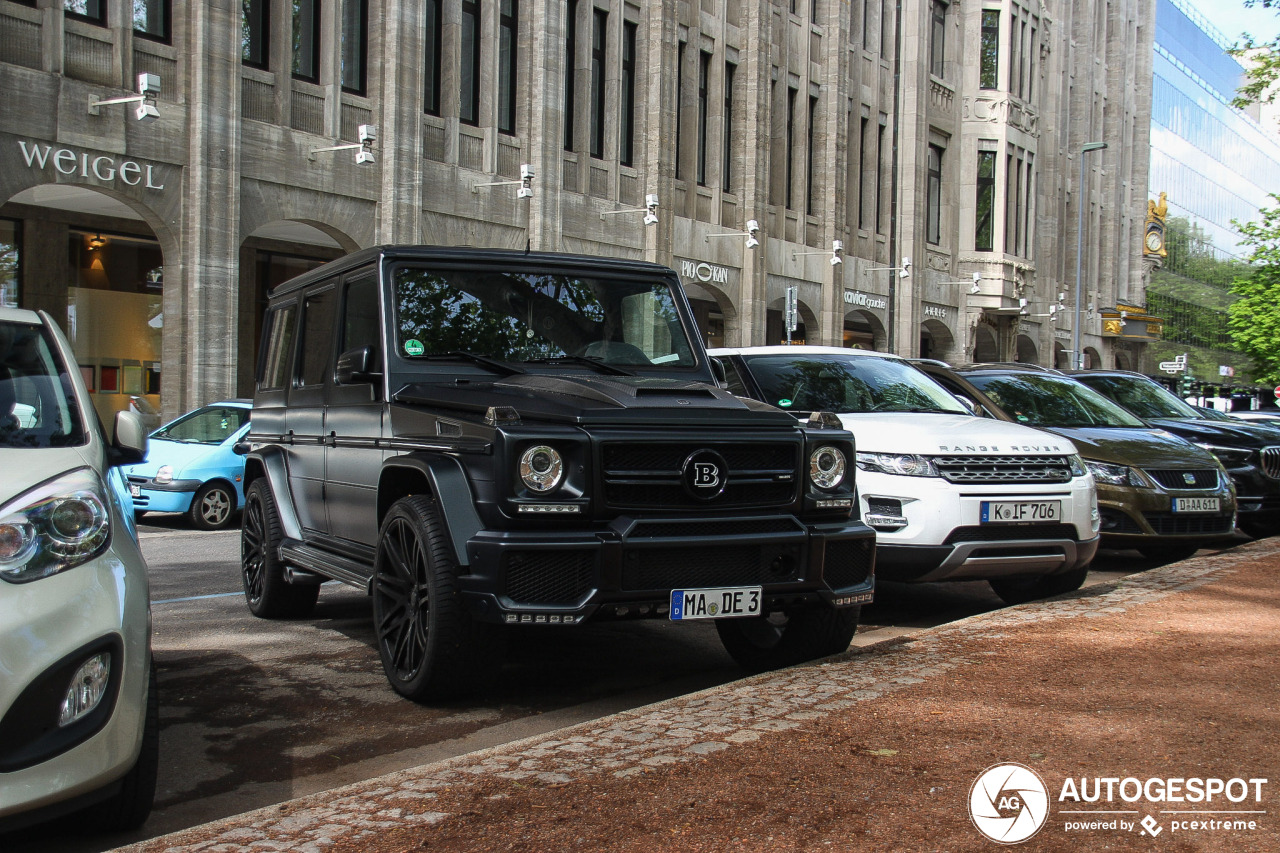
<point>146,112</point>
<point>651,218</point>
<point>148,84</point>
<point>363,157</point>
<point>1023,311</point>
<point>526,181</point>
<point>753,231</point>
<point>526,172</point>
<point>367,132</point>
<point>651,209</point>
<point>977,277</point>
<point>837,247</point>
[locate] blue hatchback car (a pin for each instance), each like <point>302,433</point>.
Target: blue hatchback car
<point>191,467</point>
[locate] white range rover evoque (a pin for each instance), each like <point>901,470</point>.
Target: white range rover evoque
<point>951,496</point>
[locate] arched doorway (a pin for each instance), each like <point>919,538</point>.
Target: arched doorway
<point>1027,351</point>
<point>1061,356</point>
<point>95,262</point>
<point>713,312</point>
<point>863,330</point>
<point>936,341</point>
<point>1092,358</point>
<point>1122,361</point>
<point>985,347</point>
<point>776,332</point>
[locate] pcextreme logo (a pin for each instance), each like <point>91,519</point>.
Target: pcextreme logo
<point>1009,803</point>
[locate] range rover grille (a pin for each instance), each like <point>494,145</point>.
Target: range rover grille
<point>640,475</point>
<point>1004,469</point>
<point>1205,478</point>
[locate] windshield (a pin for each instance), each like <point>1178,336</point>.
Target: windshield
<point>1143,397</point>
<point>210,425</point>
<point>1042,400</point>
<point>847,384</point>
<point>535,317</point>
<point>37,406</point>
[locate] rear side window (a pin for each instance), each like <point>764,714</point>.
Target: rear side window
<point>360,320</point>
<point>317,335</point>
<point>282,326</point>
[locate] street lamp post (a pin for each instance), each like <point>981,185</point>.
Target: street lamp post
<point>1077,355</point>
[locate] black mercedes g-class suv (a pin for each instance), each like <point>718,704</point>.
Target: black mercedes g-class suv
<point>484,438</point>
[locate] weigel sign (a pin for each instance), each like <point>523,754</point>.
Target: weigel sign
<point>101,167</point>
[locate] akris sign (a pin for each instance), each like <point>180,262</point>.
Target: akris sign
<point>86,165</point>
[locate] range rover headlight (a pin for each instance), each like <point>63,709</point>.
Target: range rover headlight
<point>826,467</point>
<point>902,464</point>
<point>1077,466</point>
<point>55,526</point>
<point>541,468</point>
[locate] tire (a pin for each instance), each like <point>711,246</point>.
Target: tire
<point>267,593</point>
<point>1257,529</point>
<point>1022,591</point>
<point>1169,552</point>
<point>130,806</point>
<point>775,640</point>
<point>431,648</point>
<point>213,506</point>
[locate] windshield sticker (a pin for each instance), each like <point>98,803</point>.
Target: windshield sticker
<point>414,347</point>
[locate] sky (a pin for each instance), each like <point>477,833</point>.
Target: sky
<point>1231,18</point>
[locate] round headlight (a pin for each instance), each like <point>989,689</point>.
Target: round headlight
<point>165,474</point>
<point>826,467</point>
<point>541,468</point>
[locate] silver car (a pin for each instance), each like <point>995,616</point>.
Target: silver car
<point>79,719</point>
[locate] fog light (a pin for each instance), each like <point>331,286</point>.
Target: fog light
<point>87,688</point>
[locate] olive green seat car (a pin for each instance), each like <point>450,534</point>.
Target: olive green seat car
<point>1157,492</point>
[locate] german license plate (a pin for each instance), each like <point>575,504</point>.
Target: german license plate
<point>1195,504</point>
<point>716,603</point>
<point>1006,512</point>
<point>135,491</point>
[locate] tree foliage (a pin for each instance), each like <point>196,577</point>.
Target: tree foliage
<point>1254,318</point>
<point>1262,65</point>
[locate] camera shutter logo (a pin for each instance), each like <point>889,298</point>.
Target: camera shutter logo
<point>1009,803</point>
<point>705,474</point>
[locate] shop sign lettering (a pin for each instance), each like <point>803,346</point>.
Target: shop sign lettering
<point>865,300</point>
<point>936,311</point>
<point>704,272</point>
<point>86,165</point>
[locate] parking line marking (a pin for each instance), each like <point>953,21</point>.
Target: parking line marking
<point>197,597</point>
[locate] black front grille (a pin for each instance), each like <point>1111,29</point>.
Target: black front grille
<point>1114,521</point>
<point>648,475</point>
<point>1174,524</point>
<point>548,577</point>
<point>1201,478</point>
<point>1004,469</point>
<point>1008,532</point>
<point>702,529</point>
<point>692,568</point>
<point>1271,462</point>
<point>848,562</point>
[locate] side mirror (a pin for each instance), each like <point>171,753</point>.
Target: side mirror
<point>357,367</point>
<point>240,448</point>
<point>970,405</point>
<point>130,443</point>
<point>717,370</point>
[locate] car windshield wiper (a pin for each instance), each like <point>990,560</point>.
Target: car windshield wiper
<point>484,361</point>
<point>596,363</point>
<point>929,411</point>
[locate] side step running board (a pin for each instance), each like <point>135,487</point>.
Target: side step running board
<point>303,560</point>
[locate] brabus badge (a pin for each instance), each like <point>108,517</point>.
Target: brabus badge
<point>704,474</point>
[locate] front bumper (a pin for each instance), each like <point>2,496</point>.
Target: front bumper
<point>631,567</point>
<point>1132,517</point>
<point>151,496</point>
<point>100,604</point>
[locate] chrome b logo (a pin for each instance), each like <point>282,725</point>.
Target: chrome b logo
<point>1009,803</point>
<point>704,474</point>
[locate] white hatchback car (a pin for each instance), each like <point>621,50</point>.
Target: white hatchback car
<point>79,716</point>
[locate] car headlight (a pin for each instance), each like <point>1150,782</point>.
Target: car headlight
<point>826,467</point>
<point>164,474</point>
<point>541,468</point>
<point>1231,457</point>
<point>903,464</point>
<point>1115,475</point>
<point>1077,466</point>
<point>53,527</point>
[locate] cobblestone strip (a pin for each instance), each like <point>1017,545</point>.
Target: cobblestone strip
<point>668,732</point>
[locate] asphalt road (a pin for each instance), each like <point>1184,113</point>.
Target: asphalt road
<point>257,712</point>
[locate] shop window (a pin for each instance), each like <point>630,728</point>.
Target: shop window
<point>10,263</point>
<point>151,19</point>
<point>93,11</point>
<point>255,33</point>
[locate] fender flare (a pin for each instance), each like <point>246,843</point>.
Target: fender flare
<point>449,486</point>
<point>271,462</point>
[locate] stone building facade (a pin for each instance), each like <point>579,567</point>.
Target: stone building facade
<point>932,140</point>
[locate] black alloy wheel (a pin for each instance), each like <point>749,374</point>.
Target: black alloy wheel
<point>266,591</point>
<point>775,640</point>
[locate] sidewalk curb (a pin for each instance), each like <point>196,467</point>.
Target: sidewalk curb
<point>673,730</point>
